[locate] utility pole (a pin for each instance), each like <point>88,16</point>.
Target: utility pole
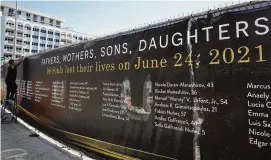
<point>15,36</point>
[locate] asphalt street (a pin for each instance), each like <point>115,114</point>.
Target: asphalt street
<point>16,144</point>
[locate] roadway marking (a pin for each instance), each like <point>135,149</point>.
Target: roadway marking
<point>17,153</point>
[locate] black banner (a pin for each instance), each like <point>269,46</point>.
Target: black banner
<point>194,89</point>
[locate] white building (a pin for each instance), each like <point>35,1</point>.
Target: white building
<point>35,32</point>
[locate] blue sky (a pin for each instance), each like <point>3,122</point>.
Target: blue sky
<point>99,17</point>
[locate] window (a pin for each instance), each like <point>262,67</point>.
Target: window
<point>56,46</point>
<point>20,26</point>
<point>49,46</point>
<point>35,36</point>
<point>10,40</point>
<point>10,11</point>
<point>28,16</point>
<point>7,31</point>
<point>56,40</point>
<point>43,31</point>
<point>26,50</point>
<point>57,34</point>
<point>80,38</point>
<point>19,41</point>
<point>42,45</point>
<point>42,19</point>
<point>50,32</point>
<point>36,29</point>
<point>27,35</point>
<point>18,49</point>
<point>34,51</point>
<point>2,9</point>
<point>19,34</point>
<point>27,42</point>
<point>8,47</point>
<point>19,12</point>
<point>34,44</point>
<point>74,37</point>
<point>51,20</point>
<point>43,38</point>
<point>10,24</point>
<point>58,23</point>
<point>50,39</point>
<point>27,28</point>
<point>35,17</point>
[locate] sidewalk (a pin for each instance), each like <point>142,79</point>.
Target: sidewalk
<point>16,144</point>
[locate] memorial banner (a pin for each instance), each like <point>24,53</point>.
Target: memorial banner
<point>193,89</point>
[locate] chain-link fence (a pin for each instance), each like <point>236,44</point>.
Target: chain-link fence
<point>241,7</point>
<point>216,12</point>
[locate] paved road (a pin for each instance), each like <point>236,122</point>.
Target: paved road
<point>16,144</point>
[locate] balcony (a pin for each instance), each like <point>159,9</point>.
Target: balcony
<point>21,17</point>
<point>66,37</point>
<point>42,41</point>
<point>10,27</point>
<point>9,34</point>
<point>9,42</point>
<point>34,47</point>
<point>50,36</point>
<point>63,43</point>
<point>8,50</point>
<point>69,42</point>
<point>42,47</point>
<point>27,54</point>
<point>27,31</point>
<point>20,28</point>
<point>43,34</point>
<point>75,40</point>
<point>19,51</point>
<point>20,36</point>
<point>27,38</point>
<point>26,46</point>
<point>18,55</point>
<point>8,56</point>
<point>20,44</point>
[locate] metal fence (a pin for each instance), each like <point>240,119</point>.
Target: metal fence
<point>247,6</point>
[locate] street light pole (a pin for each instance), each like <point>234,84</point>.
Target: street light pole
<point>15,36</point>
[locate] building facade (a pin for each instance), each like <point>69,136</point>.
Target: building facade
<point>36,32</point>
